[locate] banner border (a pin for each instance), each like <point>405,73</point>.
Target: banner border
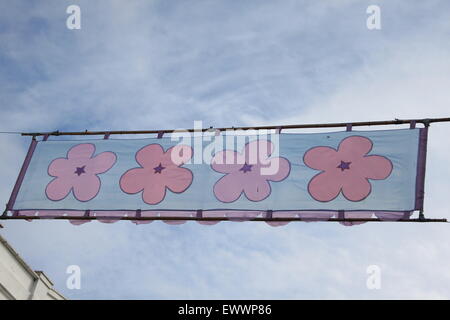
<point>23,170</point>
<point>421,168</point>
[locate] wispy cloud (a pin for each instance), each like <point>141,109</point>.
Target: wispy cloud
<point>164,64</point>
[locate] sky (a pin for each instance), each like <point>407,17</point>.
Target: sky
<point>165,64</point>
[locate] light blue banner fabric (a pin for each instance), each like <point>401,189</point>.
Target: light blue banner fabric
<point>349,171</point>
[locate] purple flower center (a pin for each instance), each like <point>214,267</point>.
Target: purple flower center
<point>344,165</point>
<point>159,168</point>
<point>80,170</point>
<point>246,167</point>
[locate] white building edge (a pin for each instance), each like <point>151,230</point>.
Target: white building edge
<point>19,282</point>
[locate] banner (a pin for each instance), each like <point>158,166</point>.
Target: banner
<point>313,176</point>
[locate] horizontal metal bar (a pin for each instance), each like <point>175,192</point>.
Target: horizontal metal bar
<point>216,219</point>
<point>426,122</point>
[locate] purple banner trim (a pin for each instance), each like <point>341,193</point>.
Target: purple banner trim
<point>421,164</point>
<point>202,216</point>
<point>23,170</point>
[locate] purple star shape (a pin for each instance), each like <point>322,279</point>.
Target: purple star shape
<point>344,165</point>
<point>246,167</point>
<point>159,168</point>
<point>80,170</point>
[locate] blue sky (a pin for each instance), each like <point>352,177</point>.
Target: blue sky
<point>165,64</point>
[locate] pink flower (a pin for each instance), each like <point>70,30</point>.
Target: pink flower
<point>248,172</point>
<point>78,173</point>
<point>159,171</point>
<point>347,169</point>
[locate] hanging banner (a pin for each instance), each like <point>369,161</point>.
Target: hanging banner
<point>315,176</point>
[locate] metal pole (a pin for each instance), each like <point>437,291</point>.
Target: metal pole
<point>425,121</point>
<point>217,219</point>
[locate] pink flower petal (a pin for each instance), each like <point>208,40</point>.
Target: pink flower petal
<point>373,167</point>
<point>228,188</point>
<point>86,187</point>
<point>354,147</point>
<point>324,186</point>
<point>257,190</point>
<point>150,156</point>
<point>179,154</point>
<point>101,163</point>
<point>134,180</point>
<point>355,187</point>
<point>60,167</point>
<point>178,179</point>
<point>58,189</point>
<point>257,150</point>
<point>227,161</point>
<point>277,170</point>
<point>321,158</point>
<point>81,151</point>
<point>154,193</point>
